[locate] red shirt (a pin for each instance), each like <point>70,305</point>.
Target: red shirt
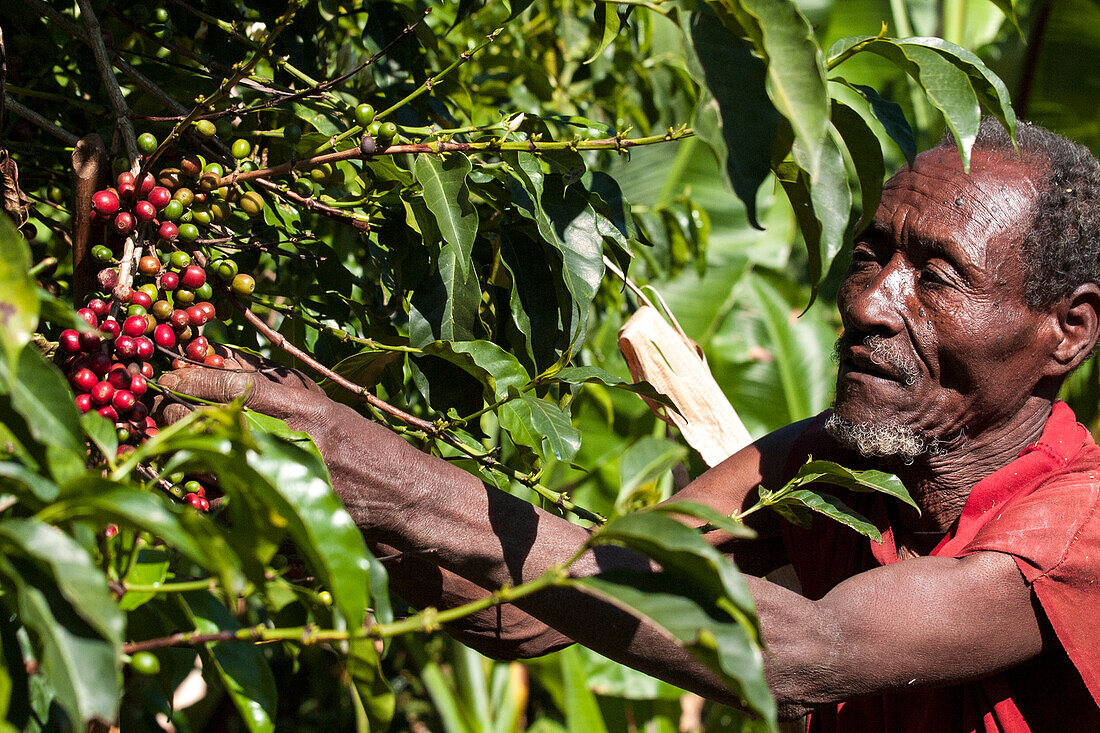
<point>1042,509</point>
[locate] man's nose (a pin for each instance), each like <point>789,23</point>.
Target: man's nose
<point>875,305</point>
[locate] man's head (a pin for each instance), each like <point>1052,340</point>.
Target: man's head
<point>969,295</point>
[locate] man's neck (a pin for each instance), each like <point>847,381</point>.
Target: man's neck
<point>941,483</point>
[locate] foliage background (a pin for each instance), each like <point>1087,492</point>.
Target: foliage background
<point>580,71</point>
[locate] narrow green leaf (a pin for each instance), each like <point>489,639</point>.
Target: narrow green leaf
<point>18,300</point>
<point>448,198</point>
<point>18,479</point>
<point>990,90</point>
<point>734,117</point>
<point>241,667</point>
<point>365,670</point>
<point>445,305</point>
<point>893,121</point>
<point>714,518</point>
<point>641,466</point>
<point>101,431</point>
<point>595,375</point>
<point>865,153</point>
<point>582,709</point>
<point>831,507</point>
<point>861,481</point>
<point>40,394</point>
<point>606,20</point>
<point>149,567</point>
<point>61,597</point>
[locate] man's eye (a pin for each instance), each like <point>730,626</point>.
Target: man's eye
<point>931,277</point>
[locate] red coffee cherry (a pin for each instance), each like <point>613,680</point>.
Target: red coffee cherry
<point>102,393</point>
<point>214,360</point>
<point>99,307</point>
<point>119,377</point>
<point>124,222</point>
<point>197,349</point>
<point>90,342</point>
<point>147,184</point>
<point>105,202</point>
<point>179,319</point>
<point>196,315</point>
<point>125,347</point>
<point>145,211</point>
<point>69,341</point>
<point>84,402</point>
<point>140,412</point>
<point>146,370</point>
<point>169,280</point>
<point>108,412</point>
<point>197,501</point>
<point>127,185</point>
<point>99,363</point>
<point>193,277</point>
<point>123,400</point>
<point>144,348</point>
<point>164,336</point>
<point>140,297</point>
<point>168,231</point>
<point>138,385</point>
<point>159,196</point>
<point>83,380</point>
<point>134,326</point>
<point>111,328</point>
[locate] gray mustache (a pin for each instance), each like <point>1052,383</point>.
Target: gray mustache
<point>884,353</point>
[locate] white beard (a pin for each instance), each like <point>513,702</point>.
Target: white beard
<point>881,441</point>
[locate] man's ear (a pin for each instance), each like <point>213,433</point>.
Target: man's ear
<point>1078,325</point>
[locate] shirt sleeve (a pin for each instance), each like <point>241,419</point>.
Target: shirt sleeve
<point>1053,534</point>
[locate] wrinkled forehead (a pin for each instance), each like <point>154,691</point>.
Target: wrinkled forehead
<point>989,208</point>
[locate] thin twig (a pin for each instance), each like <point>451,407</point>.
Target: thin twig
<point>94,37</point>
<point>532,146</point>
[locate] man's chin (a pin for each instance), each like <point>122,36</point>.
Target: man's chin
<point>875,439</point>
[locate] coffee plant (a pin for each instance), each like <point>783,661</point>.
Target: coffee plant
<point>421,206</point>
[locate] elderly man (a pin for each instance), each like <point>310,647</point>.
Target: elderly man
<point>970,298</point>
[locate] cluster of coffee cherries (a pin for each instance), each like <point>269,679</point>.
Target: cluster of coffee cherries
<point>157,320</point>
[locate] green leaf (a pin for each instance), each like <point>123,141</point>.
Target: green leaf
<point>365,670</point>
<point>241,667</point>
<point>296,488</point>
<point>188,533</point>
<point>714,518</point>
<point>41,396</point>
<point>150,566</point>
<point>101,431</point>
<point>59,594</point>
<point>18,299</point>
<point>582,709</point>
<point>948,87</point>
<point>681,550</point>
<point>641,466</point>
<point>494,367</point>
<point>17,479</point>
<point>990,90</point>
<point>831,201</point>
<point>536,420</point>
<point>722,643</point>
<point>865,153</point>
<point>831,507</point>
<point>595,375</point>
<point>445,306</point>
<point>861,481</point>
<point>606,20</point>
<point>735,117</point>
<point>448,198</point>
<point>893,121</point>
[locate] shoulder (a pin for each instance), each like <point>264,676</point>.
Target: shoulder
<point>1042,528</point>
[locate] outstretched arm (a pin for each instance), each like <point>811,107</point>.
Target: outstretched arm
<point>933,620</point>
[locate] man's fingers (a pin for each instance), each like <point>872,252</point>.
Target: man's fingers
<point>221,385</point>
<point>172,412</point>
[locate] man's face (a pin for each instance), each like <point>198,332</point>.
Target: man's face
<point>937,283</point>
